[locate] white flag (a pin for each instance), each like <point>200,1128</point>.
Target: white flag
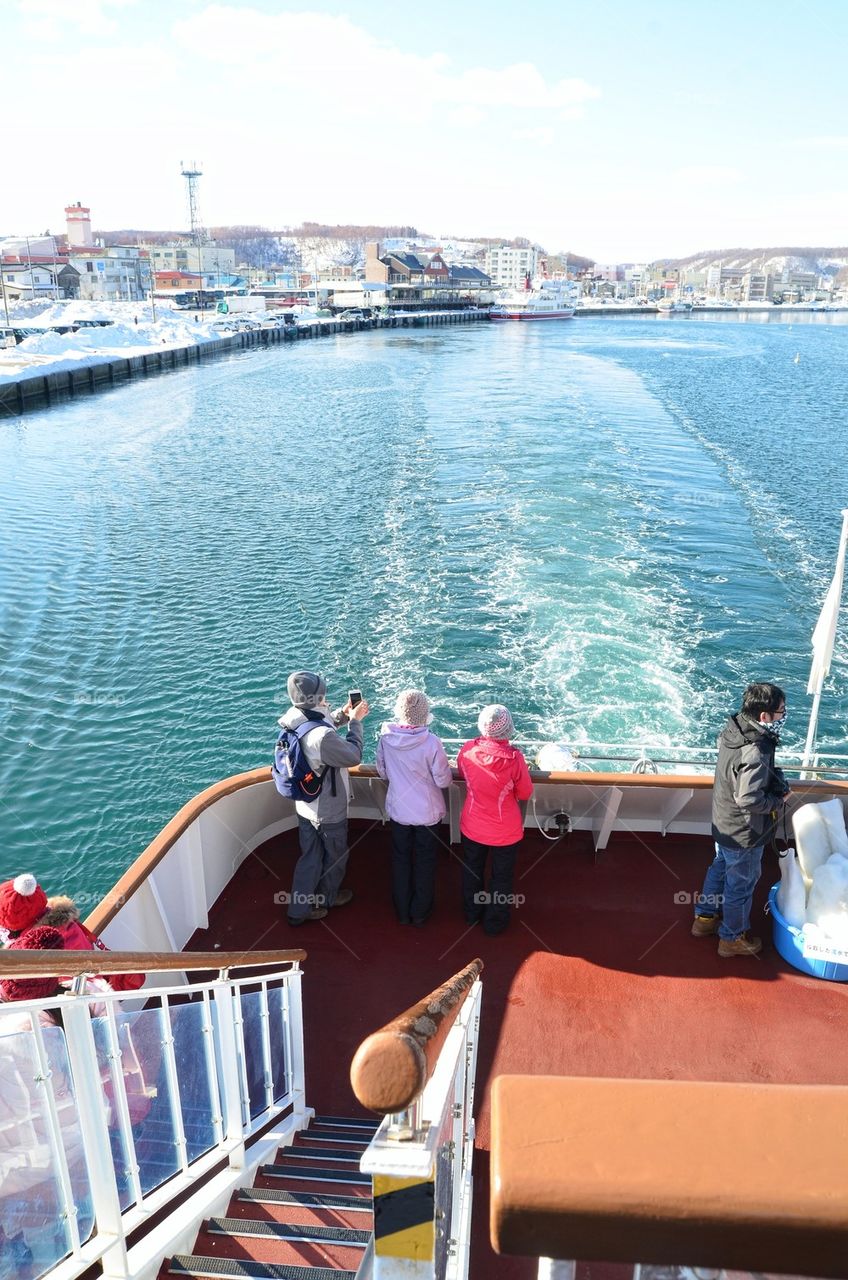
<point>825,630</point>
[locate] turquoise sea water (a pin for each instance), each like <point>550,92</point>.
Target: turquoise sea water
<point>612,525</point>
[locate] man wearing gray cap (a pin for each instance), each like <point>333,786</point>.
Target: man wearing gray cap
<point>322,822</point>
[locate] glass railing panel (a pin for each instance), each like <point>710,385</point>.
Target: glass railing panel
<point>277,1038</point>
<point>151,1142</point>
<point>149,1093</point>
<point>254,1051</point>
<point>198,1104</point>
<point>42,1176</point>
<point>122,1155</point>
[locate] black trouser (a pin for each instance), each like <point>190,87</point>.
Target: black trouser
<point>413,871</point>
<point>487,902</point>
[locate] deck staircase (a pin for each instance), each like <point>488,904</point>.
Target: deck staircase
<point>308,1216</point>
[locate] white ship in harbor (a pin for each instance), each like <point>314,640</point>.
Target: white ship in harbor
<point>542,299</point>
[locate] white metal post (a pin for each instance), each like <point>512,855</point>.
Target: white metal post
<point>226,1003</point>
<point>265,1024</point>
<point>295,1045</point>
<point>82,1054</point>
<point>215,1096</point>
<point>823,638</point>
<point>175,1105</point>
<point>119,1092</point>
<point>45,1079</point>
<point>404,1168</point>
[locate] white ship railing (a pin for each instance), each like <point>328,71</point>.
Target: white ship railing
<point>168,892</point>
<point>646,757</point>
<point>419,1072</point>
<point>134,1102</point>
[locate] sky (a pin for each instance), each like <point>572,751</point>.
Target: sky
<point>623,130</point>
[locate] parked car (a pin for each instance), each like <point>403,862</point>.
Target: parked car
<point>28,331</point>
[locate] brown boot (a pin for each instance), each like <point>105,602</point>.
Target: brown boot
<point>317,913</point>
<point>745,945</point>
<point>705,926</point>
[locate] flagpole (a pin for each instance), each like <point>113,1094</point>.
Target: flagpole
<point>821,661</point>
<point>811,731</point>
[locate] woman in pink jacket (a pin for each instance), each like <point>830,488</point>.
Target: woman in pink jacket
<point>413,761</point>
<point>491,824</point>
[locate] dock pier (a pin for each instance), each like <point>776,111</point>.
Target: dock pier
<point>35,391</point>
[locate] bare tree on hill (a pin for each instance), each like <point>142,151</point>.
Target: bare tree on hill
<point>344,231</point>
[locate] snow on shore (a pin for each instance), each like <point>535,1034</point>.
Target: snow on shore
<point>132,332</point>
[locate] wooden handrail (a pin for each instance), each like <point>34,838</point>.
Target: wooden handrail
<point>39,964</point>
<point>137,873</point>
<point>624,1171</point>
<point>391,1067</point>
<point>140,869</point>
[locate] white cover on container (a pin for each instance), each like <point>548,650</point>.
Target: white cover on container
<point>834,819</point>
<point>827,905</point>
<point>556,757</point>
<point>812,839</point>
<point>792,892</point>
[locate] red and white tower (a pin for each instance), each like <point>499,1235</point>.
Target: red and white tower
<point>78,222</point>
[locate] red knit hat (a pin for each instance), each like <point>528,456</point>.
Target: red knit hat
<point>22,901</point>
<point>42,938</point>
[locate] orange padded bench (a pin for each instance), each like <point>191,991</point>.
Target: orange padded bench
<point>737,1176</point>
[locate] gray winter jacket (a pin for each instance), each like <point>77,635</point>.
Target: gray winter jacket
<point>748,787</point>
<point>326,749</point>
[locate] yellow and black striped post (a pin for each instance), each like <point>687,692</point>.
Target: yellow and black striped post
<point>404,1226</point>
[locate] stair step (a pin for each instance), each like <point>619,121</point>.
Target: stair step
<point>349,1140</point>
<point>319,1153</point>
<point>304,1199</point>
<point>346,1122</point>
<point>286,1231</point>
<point>185,1264</point>
<point>315,1175</point>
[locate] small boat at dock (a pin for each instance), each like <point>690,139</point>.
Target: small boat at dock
<point>541,299</point>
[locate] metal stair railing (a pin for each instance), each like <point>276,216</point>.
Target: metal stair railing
<point>135,1104</point>
<point>418,1072</point>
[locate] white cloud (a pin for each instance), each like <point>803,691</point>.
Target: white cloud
<point>330,57</point>
<point>824,142</point>
<point>708,175</point>
<point>45,19</point>
<point>543,136</point>
<point>520,86</point>
<point>468,116</point>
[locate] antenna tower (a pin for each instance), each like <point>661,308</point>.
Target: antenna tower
<point>192,176</point>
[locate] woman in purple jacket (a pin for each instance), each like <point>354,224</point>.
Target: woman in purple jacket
<point>413,761</point>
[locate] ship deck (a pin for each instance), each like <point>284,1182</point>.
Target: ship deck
<point>597,975</point>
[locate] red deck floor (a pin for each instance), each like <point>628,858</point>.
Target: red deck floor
<point>597,975</point>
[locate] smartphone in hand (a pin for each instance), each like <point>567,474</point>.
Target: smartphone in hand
<point>355,697</point>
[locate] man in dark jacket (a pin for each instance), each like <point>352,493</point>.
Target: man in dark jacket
<point>322,822</point>
<point>749,795</point>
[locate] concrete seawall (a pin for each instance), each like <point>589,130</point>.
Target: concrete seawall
<point>36,391</point>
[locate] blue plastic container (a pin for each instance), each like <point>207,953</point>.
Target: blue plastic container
<point>789,941</point>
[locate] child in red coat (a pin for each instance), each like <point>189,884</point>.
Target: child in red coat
<point>24,904</point>
<point>491,824</point>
